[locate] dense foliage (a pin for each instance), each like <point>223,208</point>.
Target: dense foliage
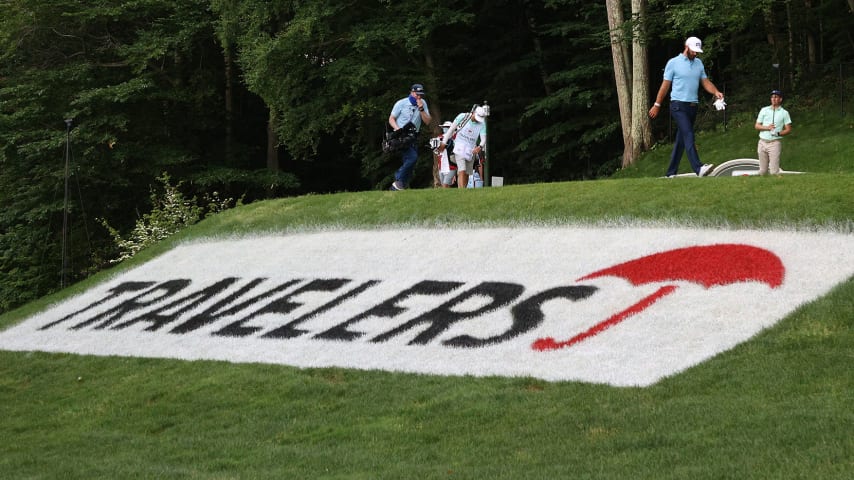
<point>258,99</point>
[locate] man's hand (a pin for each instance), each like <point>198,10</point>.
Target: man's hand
<point>653,112</point>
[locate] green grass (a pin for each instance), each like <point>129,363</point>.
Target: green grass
<point>780,406</point>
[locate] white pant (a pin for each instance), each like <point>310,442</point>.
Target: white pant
<point>462,152</point>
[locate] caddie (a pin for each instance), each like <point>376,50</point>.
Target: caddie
<point>469,133</point>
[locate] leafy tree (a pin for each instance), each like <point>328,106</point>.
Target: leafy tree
<point>797,45</point>
<point>141,81</point>
<point>258,99</point>
<point>569,124</point>
<point>327,71</point>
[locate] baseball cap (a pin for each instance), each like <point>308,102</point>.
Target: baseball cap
<point>479,114</point>
<point>777,92</point>
<point>695,44</point>
<point>418,88</point>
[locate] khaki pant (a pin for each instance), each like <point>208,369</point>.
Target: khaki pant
<point>769,156</point>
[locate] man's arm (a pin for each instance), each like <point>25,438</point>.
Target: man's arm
<point>760,122</point>
<point>659,98</point>
<point>711,88</point>
<point>761,127</point>
<point>482,146</point>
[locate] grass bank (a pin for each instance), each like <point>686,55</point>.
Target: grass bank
<point>779,406</point>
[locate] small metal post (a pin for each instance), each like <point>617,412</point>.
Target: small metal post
<point>486,157</point>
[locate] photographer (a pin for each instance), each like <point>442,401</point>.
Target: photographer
<point>412,109</point>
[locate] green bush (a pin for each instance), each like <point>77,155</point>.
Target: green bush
<point>170,213</point>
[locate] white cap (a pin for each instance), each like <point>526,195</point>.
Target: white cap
<point>695,44</point>
<point>479,114</point>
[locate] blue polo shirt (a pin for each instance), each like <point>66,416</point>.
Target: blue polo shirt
<point>685,76</point>
<point>405,111</point>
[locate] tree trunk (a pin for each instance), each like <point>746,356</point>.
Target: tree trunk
<point>641,131</point>
<point>620,59</point>
<point>770,35</point>
<point>272,144</point>
<point>435,113</point>
<point>809,32</point>
<point>790,27</point>
<point>229,104</point>
<point>538,48</point>
<point>435,110</point>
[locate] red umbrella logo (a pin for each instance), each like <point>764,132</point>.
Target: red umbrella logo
<point>710,265</point>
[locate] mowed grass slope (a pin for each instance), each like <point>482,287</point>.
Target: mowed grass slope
<point>780,406</point>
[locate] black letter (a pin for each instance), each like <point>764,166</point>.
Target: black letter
<point>388,308</point>
<point>212,314</point>
<point>189,302</point>
<point>526,315</point>
<point>114,292</point>
<point>289,331</point>
<point>169,287</point>
<point>443,317</point>
<point>281,306</point>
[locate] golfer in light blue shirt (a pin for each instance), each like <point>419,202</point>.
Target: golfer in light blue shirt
<point>685,73</point>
